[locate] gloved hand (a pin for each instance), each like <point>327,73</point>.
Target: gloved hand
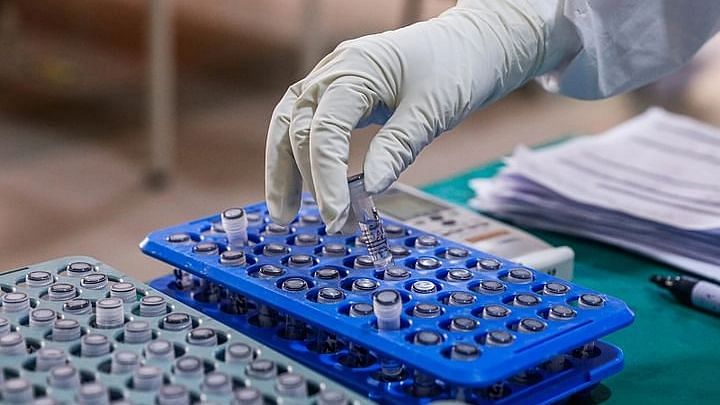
<point>418,81</point>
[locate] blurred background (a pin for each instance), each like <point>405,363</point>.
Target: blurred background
<point>130,115</point>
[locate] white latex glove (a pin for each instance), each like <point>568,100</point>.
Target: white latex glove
<point>418,81</point>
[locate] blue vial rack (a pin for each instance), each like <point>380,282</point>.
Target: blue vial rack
<point>22,366</point>
<point>195,247</point>
<point>576,374</point>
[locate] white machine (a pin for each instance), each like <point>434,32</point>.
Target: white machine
<point>423,211</point>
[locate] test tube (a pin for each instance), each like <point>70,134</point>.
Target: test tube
<point>42,317</point>
<point>38,278</point>
<point>159,350</point>
<point>177,321</point>
<point>387,306</point>
<point>137,332</point>
<point>4,326</point>
<point>216,383</point>
<point>12,344</point>
<point>371,226</point>
<point>238,353</point>
<point>291,385</point>
<point>235,223</point>
<point>248,396</point>
<point>173,394</point>
<point>273,229</point>
<point>94,345</point>
<point>332,397</point>
<point>109,313</point>
<point>93,393</point>
<point>49,357</point>
<point>17,391</point>
<point>16,302</point>
<point>147,378</point>
<point>152,305</point>
<point>66,330</point>
<point>125,291</point>
<point>64,377</point>
<point>261,369</point>
<point>124,361</point>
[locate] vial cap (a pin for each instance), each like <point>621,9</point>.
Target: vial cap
<point>276,229</point>
<point>290,380</point>
<point>334,249</point>
<point>43,315</point>
<point>78,268</point>
<point>201,335</point>
<point>94,280</point>
<point>330,294</point>
<point>556,288</point>
<point>176,320</point>
<point>232,256</point>
<point>463,324</point>
<point>66,324</point>
<point>364,261</point>
<point>364,284</point>
<point>275,249</point>
<point>216,379</point>
<point>270,270</point>
<point>427,310</point>
<point>399,251</point>
<point>496,311</point>
<point>152,300</point>
<point>500,337</point>
<point>465,350</point>
<point>233,213</point>
<point>300,260</point>
<point>427,338</point>
<point>239,351</point>
<point>61,289</point>
<point>110,303</point>
<point>387,298</point>
<point>591,300</point>
<point>38,277</point>
<point>310,219</point>
<point>126,358</point>
<point>159,347</point>
<point>461,298</point>
<point>173,391</point>
<point>294,284</point>
<point>491,286</point>
<point>488,264</point>
<point>306,239</point>
<point>327,273</point>
<point>254,216</point>
<point>520,275</point>
<point>427,263</point>
<point>63,372</point>
<point>331,397</point>
<point>16,385</point>
<point>247,395</point>
<point>426,241</point>
<point>361,309</point>
<point>178,238</point>
<point>457,253</point>
<point>394,231</point>
<point>532,325</point>
<point>562,311</point>
<point>76,305</point>
<point>261,366</point>
<point>206,248</point>
<point>459,275</point>
<point>137,326</point>
<point>526,300</point>
<point>396,273</point>
<point>424,287</point>
<point>122,287</point>
<point>188,364</point>
<point>11,339</point>
<point>95,339</point>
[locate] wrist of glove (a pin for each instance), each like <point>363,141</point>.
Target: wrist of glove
<point>417,81</point>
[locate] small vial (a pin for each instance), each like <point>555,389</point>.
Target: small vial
<point>147,378</point>
<point>78,269</point>
<point>308,219</point>
<point>426,242</point>
<point>360,309</point>
<point>275,249</point>
<point>460,298</point>
<point>216,383</point>
<point>94,345</point>
<point>427,338</point>
<point>61,292</point>
<point>306,239</point>
<point>395,273</point>
<point>499,338</point>
<point>270,271</point>
<point>557,364</point>
<point>426,310</point>
<point>464,352</point>
<point>35,279</point>
<point>294,329</point>
<point>555,289</point>
<point>254,217</point>
<point>427,263</point>
<point>183,280</point>
<point>124,361</point>
<point>125,291</point>
<point>109,313</point>
<point>398,251</point>
<point>326,342</point>
<point>202,337</point>
<point>463,324</point>
<point>394,231</point>
<point>561,313</point>
<point>590,301</point>
<point>206,291</point>
<point>363,262</point>
<point>248,396</point>
<point>234,303</point>
<point>371,226</point>
<point>78,306</point>
<point>300,260</point>
<point>495,312</point>
<point>45,401</point>
<point>490,287</point>
<point>233,258</point>
<point>525,300</point>
<point>173,394</point>
<point>92,393</point>
<point>217,228</point>
<point>64,377</point>
<point>4,326</point>
<point>49,357</point>
<point>364,285</point>
<point>159,350</point>
<point>424,287</point>
<point>42,317</point>
<point>329,295</point>
<point>95,281</point>
<point>530,325</point>
<point>137,332</point>
<point>152,306</point>
<point>206,248</point>
<point>291,385</point>
<point>17,391</point>
<point>189,367</point>
<point>235,223</point>
<point>66,330</point>
<point>423,384</point>
<point>273,229</point>
<point>179,238</point>
<point>488,264</point>
<point>586,351</point>
<point>12,344</point>
<point>267,317</point>
<point>333,250</point>
<point>327,273</point>
<point>294,284</point>
<point>176,321</point>
<point>459,275</point>
<point>332,397</point>
<point>519,276</point>
<point>456,254</point>
<point>16,302</point>
<point>261,369</point>
<point>387,306</point>
<point>238,353</point>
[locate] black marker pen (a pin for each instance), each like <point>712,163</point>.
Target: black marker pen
<point>691,291</point>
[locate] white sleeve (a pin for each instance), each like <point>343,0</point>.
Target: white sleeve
<point>630,43</point>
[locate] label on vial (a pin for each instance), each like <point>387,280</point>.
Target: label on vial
<point>706,296</point>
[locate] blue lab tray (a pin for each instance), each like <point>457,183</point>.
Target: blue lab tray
<point>579,373</point>
<point>98,369</point>
<point>495,362</point>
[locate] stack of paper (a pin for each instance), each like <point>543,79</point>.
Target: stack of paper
<point>651,185</point>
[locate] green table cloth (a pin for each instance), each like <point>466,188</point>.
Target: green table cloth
<point>672,352</point>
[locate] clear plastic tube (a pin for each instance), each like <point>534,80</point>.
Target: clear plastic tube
<point>371,226</point>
